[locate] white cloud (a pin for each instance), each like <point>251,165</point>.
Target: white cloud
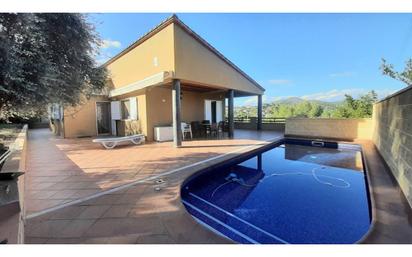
<point>339,94</point>
<point>327,96</point>
<point>102,60</point>
<point>342,74</point>
<point>279,81</point>
<point>108,43</point>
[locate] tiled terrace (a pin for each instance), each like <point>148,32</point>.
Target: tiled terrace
<point>74,187</point>
<point>63,170</point>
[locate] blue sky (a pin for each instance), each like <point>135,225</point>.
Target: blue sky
<point>314,56</point>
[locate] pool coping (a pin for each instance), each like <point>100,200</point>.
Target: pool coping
<point>370,196</point>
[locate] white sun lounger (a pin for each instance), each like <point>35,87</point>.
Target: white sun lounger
<point>111,142</point>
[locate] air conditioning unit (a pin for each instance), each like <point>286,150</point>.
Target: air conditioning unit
<point>163,133</point>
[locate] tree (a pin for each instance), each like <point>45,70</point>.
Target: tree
<point>404,76</point>
<point>356,108</point>
<point>45,58</point>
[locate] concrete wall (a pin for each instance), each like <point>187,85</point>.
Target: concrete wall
<point>393,136</point>
<point>12,227</point>
<point>81,120</point>
<point>345,129</point>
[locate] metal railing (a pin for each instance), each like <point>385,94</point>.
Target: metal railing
<point>264,120</point>
<point>274,120</point>
<point>242,120</point>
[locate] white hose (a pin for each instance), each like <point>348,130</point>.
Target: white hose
<point>233,178</point>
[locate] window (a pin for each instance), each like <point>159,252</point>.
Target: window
<point>125,109</point>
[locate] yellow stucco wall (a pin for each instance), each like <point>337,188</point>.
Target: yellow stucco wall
<point>140,63</point>
<point>159,106</point>
<point>196,63</point>
<point>81,120</point>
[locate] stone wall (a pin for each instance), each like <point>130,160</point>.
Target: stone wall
<point>323,128</point>
<point>128,127</point>
<point>12,226</point>
<point>393,136</point>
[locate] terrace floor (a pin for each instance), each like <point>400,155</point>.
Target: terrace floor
<point>71,181</point>
<point>78,192</point>
<point>64,170</point>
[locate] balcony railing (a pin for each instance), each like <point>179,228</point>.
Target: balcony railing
<point>277,124</point>
<point>264,120</point>
<point>274,120</point>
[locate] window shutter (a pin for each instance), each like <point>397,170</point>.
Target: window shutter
<point>115,110</point>
<point>133,108</point>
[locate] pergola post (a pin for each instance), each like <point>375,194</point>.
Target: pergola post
<point>259,112</point>
<point>231,113</point>
<point>176,113</point>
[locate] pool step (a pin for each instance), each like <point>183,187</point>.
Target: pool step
<point>217,226</point>
<point>217,217</point>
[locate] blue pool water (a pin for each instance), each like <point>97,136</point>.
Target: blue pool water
<point>289,194</point>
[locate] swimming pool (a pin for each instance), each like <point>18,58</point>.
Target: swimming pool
<point>292,193</point>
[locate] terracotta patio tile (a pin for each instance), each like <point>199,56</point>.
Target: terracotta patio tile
<point>108,199</point>
<point>40,186</point>
<point>93,212</point>
<point>124,226</point>
<point>48,228</point>
<point>118,211</point>
<point>76,228</point>
<point>64,241</point>
<point>70,212</point>
<point>63,194</point>
<point>40,194</point>
<point>35,240</point>
<point>129,239</point>
<point>129,198</point>
<point>155,239</point>
<point>84,193</point>
<point>94,240</point>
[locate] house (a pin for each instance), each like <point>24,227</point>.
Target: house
<point>167,76</point>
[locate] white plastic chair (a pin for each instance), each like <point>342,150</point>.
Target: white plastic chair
<point>186,128</point>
